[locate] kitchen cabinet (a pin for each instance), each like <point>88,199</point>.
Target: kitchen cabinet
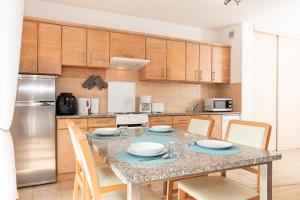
<point>127,45</point>
<point>181,127</point>
<point>65,151</point>
<point>221,64</point>
<point>28,57</point>
<point>156,52</point>
<point>160,120</point>
<point>175,60</point>
<point>217,130</point>
<point>101,122</point>
<point>74,42</point>
<point>192,62</point>
<point>49,49</point>
<point>205,63</point>
<point>97,48</point>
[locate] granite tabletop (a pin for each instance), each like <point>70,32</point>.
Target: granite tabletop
<point>189,163</point>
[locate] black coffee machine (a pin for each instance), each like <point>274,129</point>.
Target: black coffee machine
<point>66,104</point>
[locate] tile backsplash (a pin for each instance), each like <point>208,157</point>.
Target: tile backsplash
<point>177,97</point>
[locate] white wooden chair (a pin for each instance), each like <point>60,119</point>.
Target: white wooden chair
<point>199,125</point>
<point>109,181</point>
<point>100,184</point>
<point>253,134</point>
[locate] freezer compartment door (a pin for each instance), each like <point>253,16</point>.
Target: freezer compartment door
<point>34,88</point>
<point>33,132</point>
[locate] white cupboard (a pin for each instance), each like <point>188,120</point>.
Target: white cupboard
<point>264,91</point>
<point>288,93</point>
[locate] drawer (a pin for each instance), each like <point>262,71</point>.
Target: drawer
<point>81,123</point>
<point>181,127</point>
<point>181,119</point>
<point>162,120</point>
<point>101,122</point>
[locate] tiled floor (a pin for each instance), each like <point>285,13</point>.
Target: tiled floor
<point>286,182</point>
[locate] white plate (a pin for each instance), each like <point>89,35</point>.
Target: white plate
<point>147,147</point>
<point>130,151</point>
<point>214,144</point>
<point>106,131</point>
<point>161,128</point>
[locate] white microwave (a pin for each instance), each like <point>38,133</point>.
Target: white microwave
<point>218,105</point>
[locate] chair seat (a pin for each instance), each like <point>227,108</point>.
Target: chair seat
<point>108,177</point>
<point>146,193</point>
<point>216,188</point>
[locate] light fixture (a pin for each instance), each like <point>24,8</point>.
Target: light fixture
<point>236,1</point>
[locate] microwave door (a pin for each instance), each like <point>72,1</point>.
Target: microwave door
<point>221,105</point>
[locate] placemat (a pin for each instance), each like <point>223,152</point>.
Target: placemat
<point>230,151</point>
<point>124,156</point>
<point>161,133</point>
<point>152,138</point>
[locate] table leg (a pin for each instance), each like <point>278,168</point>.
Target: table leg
<point>133,191</point>
<point>266,181</point>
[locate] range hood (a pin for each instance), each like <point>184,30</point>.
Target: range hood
<point>127,63</point>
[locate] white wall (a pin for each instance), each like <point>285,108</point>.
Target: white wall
<point>38,8</point>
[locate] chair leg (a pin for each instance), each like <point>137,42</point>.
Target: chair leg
<point>258,182</point>
<point>75,190</point>
<point>181,194</point>
<point>170,188</point>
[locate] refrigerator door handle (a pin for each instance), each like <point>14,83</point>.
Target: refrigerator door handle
<point>33,104</point>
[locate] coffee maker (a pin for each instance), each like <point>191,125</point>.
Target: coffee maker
<point>145,104</point>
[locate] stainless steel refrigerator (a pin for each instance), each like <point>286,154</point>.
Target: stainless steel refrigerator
<point>33,130</point>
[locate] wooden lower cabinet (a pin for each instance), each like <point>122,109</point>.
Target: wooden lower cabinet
<point>217,130</point>
<point>181,127</point>
<point>65,152</point>
<point>160,120</point>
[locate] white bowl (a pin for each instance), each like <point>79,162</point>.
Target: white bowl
<point>147,147</point>
<point>214,144</point>
<point>106,131</point>
<point>129,150</point>
<point>161,128</point>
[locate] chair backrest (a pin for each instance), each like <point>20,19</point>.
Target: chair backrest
<point>255,134</point>
<point>75,144</point>
<point>201,125</point>
<point>86,160</point>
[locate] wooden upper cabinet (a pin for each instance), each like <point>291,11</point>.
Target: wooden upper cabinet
<point>156,52</point>
<point>175,60</point>
<point>49,49</point>
<point>127,45</point>
<point>221,65</point>
<point>28,58</point>
<point>97,48</point>
<point>74,46</point>
<point>192,62</point>
<point>205,63</point>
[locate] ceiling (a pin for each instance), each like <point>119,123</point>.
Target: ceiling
<point>210,14</point>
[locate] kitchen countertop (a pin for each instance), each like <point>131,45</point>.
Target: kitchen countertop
<point>106,115</point>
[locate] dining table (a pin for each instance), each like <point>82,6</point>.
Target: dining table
<point>187,164</point>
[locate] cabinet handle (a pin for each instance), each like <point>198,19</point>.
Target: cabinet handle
<point>196,75</point>
<point>200,75</point>
<point>213,75</point>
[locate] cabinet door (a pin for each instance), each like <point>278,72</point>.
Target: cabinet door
<point>126,45</point>
<point>65,153</point>
<point>192,62</point>
<point>28,59</point>
<point>97,48</point>
<point>101,122</point>
<point>156,52</point>
<point>160,120</point>
<point>175,60</point>
<point>73,46</point>
<point>205,63</point>
<point>217,130</point>
<point>49,49</point>
<point>221,65</point>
